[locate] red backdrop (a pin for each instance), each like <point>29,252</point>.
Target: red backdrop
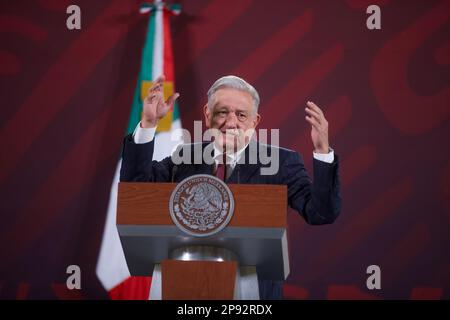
<point>66,95</point>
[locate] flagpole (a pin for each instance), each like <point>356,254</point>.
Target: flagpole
<point>160,5</point>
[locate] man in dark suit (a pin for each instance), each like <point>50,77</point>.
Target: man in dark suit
<point>232,112</point>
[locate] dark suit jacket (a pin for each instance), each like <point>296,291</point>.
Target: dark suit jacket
<point>319,201</point>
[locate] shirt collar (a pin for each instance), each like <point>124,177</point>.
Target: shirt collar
<point>232,158</point>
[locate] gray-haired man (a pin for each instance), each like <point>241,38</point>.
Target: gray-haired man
<point>232,111</point>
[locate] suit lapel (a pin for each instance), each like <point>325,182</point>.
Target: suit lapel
<point>205,168</point>
<point>244,170</point>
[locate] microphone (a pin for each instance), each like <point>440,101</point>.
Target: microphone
<point>174,171</point>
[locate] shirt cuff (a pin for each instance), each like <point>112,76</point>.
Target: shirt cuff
<point>143,135</point>
<point>325,157</point>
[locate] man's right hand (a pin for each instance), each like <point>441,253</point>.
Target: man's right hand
<point>154,106</point>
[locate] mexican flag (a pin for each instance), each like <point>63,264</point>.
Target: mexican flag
<point>157,59</point>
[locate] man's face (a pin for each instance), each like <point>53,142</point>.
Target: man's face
<point>233,114</point>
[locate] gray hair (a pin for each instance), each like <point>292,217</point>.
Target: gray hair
<point>233,82</point>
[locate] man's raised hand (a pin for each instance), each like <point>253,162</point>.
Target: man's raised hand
<point>319,127</point>
<point>154,107</point>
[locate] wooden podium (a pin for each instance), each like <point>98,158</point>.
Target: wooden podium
<point>220,266</point>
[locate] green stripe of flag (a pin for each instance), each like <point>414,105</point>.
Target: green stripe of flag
<point>145,74</point>
<point>176,112</point>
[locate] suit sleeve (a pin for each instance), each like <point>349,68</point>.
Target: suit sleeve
<point>319,201</point>
<point>138,166</point>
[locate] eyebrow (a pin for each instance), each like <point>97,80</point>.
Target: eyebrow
<point>218,105</point>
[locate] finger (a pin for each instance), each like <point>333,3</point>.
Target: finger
<point>150,98</point>
<point>323,120</point>
<point>313,122</point>
<point>156,87</point>
<point>172,99</point>
<point>154,97</point>
<point>157,84</point>
<point>153,90</point>
<point>314,114</point>
<point>314,106</point>
<point>159,89</point>
<point>160,79</point>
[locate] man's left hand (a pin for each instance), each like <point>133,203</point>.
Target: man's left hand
<point>319,128</point>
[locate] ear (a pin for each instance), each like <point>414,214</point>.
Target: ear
<point>257,120</point>
<point>207,114</point>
